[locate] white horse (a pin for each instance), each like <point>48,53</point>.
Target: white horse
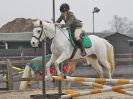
<point>101,51</point>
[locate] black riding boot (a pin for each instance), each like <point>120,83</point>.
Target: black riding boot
<point>83,53</point>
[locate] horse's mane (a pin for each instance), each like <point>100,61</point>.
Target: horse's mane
<point>40,21</point>
<point>46,24</point>
<point>47,21</point>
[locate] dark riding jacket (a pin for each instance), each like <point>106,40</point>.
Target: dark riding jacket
<point>70,21</point>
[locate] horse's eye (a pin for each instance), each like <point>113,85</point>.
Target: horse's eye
<point>39,31</point>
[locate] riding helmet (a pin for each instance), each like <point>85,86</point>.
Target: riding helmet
<point>64,7</point>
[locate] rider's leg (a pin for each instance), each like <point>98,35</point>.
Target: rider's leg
<point>83,53</point>
<point>77,33</point>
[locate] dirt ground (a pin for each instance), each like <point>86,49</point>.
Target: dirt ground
<point>26,95</point>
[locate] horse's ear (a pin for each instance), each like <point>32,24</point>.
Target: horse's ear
<point>40,22</point>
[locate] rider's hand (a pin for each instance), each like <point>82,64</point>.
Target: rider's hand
<point>58,24</point>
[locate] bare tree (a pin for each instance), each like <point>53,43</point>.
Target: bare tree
<point>120,24</point>
<point>130,30</point>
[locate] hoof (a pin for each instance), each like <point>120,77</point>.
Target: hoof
<point>63,75</point>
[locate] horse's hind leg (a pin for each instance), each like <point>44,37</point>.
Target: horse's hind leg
<point>106,64</point>
<point>94,62</point>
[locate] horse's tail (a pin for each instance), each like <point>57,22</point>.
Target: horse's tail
<point>110,52</point>
<point>26,74</point>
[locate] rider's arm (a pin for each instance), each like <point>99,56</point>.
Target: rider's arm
<point>70,20</point>
<point>59,19</point>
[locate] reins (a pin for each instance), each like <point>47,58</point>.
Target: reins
<point>62,32</point>
<point>38,38</point>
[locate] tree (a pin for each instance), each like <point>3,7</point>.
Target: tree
<point>130,30</point>
<point>120,24</point>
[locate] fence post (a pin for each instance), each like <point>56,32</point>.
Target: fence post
<point>9,75</point>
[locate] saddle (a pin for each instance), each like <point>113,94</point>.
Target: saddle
<point>85,39</point>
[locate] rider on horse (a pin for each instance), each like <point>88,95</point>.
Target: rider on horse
<point>72,22</point>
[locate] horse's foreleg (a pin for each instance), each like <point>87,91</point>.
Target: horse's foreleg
<point>52,60</point>
<point>61,58</point>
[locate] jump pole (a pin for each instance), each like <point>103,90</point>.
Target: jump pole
<point>71,93</point>
<point>97,85</point>
<point>96,80</point>
<point>122,91</point>
<point>44,65</point>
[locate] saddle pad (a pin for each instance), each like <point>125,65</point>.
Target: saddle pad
<point>85,40</point>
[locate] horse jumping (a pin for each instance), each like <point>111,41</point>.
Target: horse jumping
<point>101,51</point>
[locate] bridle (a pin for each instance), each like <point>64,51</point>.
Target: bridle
<point>41,26</point>
<point>38,38</point>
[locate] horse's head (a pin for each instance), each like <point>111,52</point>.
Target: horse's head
<point>42,30</point>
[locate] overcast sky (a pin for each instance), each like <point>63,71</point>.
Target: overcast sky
<point>42,9</point>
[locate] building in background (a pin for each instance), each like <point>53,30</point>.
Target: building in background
<point>18,44</point>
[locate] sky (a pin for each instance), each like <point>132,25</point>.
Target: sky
<point>42,9</point>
